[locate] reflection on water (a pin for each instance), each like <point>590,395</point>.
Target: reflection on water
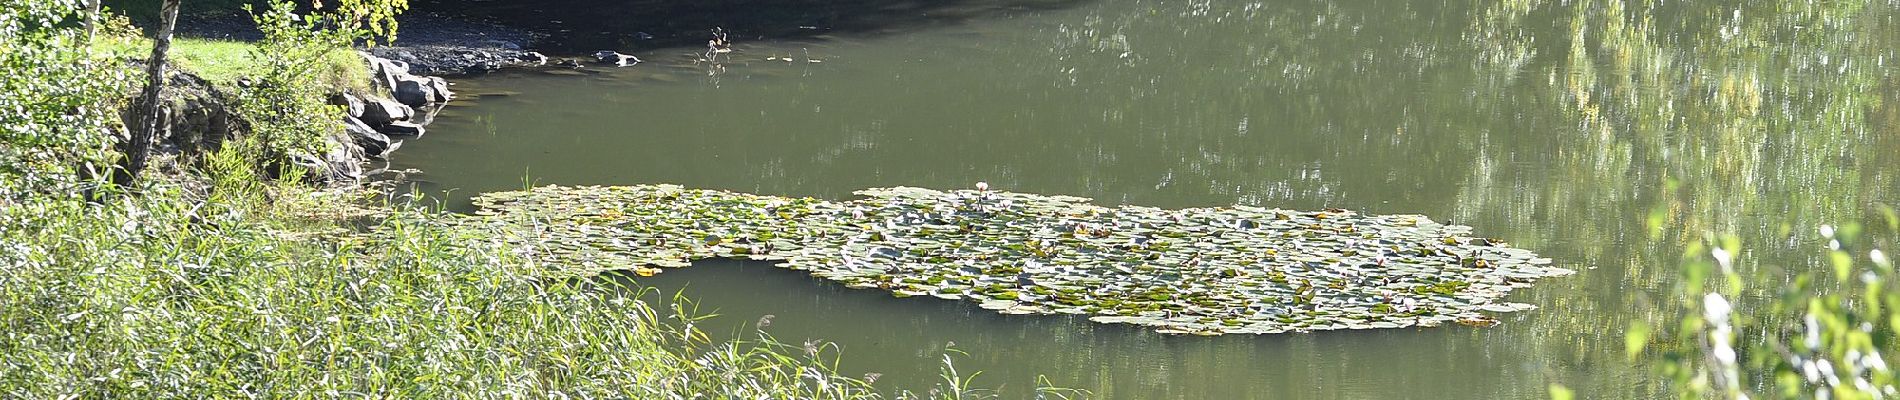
<point>1553,125</point>
<point>583,26</point>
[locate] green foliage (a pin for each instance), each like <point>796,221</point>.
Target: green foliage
<point>283,80</point>
<point>155,296</point>
<point>1559,392</point>
<point>1822,335</point>
<point>56,102</point>
<point>369,19</point>
<point>286,99</point>
<point>279,83</point>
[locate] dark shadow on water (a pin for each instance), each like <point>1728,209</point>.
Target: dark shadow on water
<point>588,25</point>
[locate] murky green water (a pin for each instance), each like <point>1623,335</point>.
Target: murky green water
<point>1552,125</point>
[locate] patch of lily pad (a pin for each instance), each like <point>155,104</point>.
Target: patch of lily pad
<point>1205,271</point>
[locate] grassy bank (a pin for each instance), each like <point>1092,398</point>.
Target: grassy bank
<point>215,283</point>
<point>225,62</point>
<point>162,295</point>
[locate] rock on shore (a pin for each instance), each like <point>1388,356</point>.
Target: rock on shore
<point>403,104</point>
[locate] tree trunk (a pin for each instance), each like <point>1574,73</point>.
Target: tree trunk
<point>149,110</point>
<point>92,19</point>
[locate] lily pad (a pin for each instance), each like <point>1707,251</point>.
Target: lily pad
<point>1203,271</point>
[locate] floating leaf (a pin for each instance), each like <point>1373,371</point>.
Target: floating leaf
<point>1203,271</point>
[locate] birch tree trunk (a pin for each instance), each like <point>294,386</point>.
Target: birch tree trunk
<point>92,19</point>
<point>149,109</point>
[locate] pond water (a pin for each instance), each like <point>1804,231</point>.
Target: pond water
<point>1561,127</point>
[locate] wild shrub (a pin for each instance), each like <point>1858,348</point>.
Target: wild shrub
<point>296,70</point>
<point>57,104</point>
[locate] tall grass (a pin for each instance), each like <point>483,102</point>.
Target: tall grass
<point>162,296</point>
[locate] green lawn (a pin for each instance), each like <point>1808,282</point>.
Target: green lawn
<point>223,62</point>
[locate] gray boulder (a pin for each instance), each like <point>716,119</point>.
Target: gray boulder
<point>338,166</point>
<point>400,68</point>
<point>414,92</point>
<point>615,58</point>
<point>375,144</point>
<point>402,130</point>
<point>381,112</point>
<point>534,58</point>
<point>351,104</point>
<point>355,126</point>
<point>386,72</point>
<point>440,87</point>
<point>418,91</point>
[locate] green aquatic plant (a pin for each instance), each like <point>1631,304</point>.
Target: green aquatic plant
<point>1200,270</point>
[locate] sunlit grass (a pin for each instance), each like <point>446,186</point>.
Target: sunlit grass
<point>156,296</point>
<point>227,62</point>
<point>264,289</point>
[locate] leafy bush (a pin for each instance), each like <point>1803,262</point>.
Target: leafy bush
<point>297,54</point>
<point>57,103</point>
<point>1824,334</point>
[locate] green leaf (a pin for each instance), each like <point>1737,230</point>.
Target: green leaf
<point>1635,339</point>
<point>1892,218</point>
<point>1559,392</point>
<point>1843,264</point>
<point>1655,221</point>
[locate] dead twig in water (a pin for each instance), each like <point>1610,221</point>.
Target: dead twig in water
<point>718,45</point>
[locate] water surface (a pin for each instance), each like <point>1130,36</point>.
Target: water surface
<point>1556,126</point>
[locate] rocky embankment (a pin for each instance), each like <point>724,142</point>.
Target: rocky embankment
<point>197,118</point>
<point>408,90</point>
<point>406,93</point>
<point>428,44</point>
<point>376,124</point>
<point>403,104</point>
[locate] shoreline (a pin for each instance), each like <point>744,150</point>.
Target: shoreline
<point>430,44</point>
<point>407,83</point>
